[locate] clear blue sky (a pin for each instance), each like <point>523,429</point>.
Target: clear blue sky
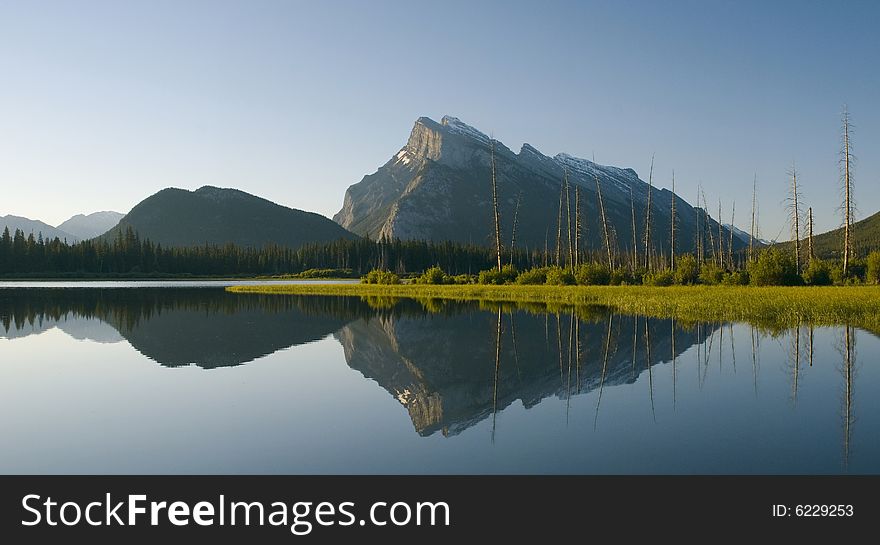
<point>105,103</point>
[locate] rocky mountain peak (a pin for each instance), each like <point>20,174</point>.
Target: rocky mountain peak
<point>437,187</point>
<point>451,142</point>
<point>457,126</point>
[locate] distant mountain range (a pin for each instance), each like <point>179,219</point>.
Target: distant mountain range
<point>211,215</point>
<point>77,228</point>
<point>85,227</point>
<point>437,187</point>
<point>35,227</point>
<point>743,236</point>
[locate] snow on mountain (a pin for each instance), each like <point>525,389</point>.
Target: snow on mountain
<point>457,126</point>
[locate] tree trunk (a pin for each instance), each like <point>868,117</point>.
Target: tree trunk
<point>495,210</point>
<point>672,228</point>
<point>604,224</point>
<point>648,219</point>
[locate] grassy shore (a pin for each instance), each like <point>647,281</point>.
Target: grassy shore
<point>856,305</point>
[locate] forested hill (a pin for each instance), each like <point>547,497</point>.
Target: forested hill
<point>211,215</point>
<point>865,233</point>
<point>829,245</point>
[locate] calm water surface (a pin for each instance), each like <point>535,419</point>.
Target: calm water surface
<point>184,379</point>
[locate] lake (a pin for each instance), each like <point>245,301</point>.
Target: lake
<point>187,378</point>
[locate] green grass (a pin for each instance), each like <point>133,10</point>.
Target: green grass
<point>769,306</point>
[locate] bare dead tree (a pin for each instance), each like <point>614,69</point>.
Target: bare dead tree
<point>604,222</point>
<point>752,229</point>
<point>698,234</point>
<point>568,212</point>
<point>672,226</point>
<point>577,225</point>
<point>648,218</point>
<point>812,249</point>
<point>559,228</point>
<point>635,244</point>
<point>795,217</point>
<point>515,222</point>
<point>709,229</point>
<point>546,248</point>
<point>730,238</point>
<point>847,163</point>
<point>720,237</point>
<point>495,209</point>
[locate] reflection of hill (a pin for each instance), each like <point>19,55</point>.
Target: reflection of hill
<point>206,327</point>
<point>182,336</point>
<point>442,368</point>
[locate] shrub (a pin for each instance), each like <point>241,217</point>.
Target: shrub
<point>326,273</point>
<point>507,275</point>
<point>855,273</point>
<point>621,276</point>
<point>711,274</point>
<point>538,275</point>
<point>687,270</point>
<point>592,274</point>
<point>818,273</point>
<point>663,277</point>
<point>463,279</point>
<point>736,278</point>
<point>377,276</point>
<point>490,276</point>
<point>837,276</point>
<point>873,268</point>
<point>557,276</point>
<point>636,276</point>
<point>774,268</point>
<point>434,275</point>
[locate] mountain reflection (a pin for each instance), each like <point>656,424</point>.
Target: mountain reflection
<point>449,364</point>
<point>452,370</point>
<point>174,327</point>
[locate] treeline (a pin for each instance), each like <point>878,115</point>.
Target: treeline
<point>128,254</point>
<point>770,267</point>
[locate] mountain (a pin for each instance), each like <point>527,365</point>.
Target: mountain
<point>438,187</point>
<point>85,227</point>
<point>211,215</point>
<point>743,236</point>
<point>36,227</point>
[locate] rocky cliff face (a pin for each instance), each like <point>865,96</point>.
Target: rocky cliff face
<point>437,187</point>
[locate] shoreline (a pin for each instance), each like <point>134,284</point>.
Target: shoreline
<point>790,306</point>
